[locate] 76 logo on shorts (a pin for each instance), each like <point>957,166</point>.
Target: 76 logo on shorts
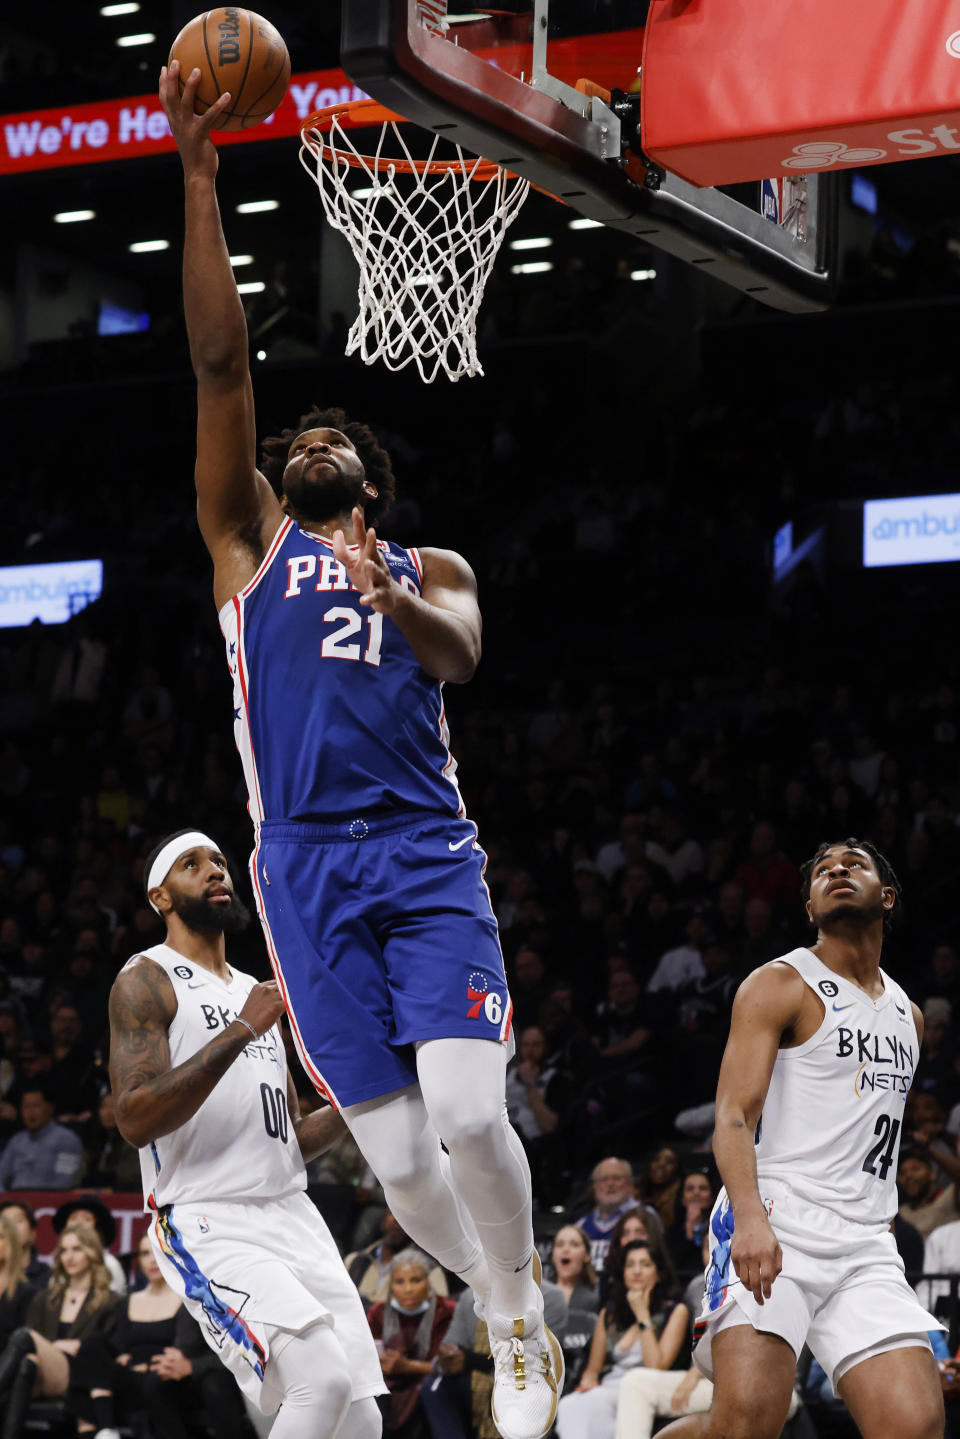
<point>480,996</point>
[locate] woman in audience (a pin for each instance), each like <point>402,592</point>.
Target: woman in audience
<point>641,1324</point>
<point>685,1235</point>
<point>15,1292</point>
<point>409,1329</point>
<point>574,1275</point>
<point>642,1224</point>
<point>112,1378</point>
<point>661,1185</point>
<point>76,1304</point>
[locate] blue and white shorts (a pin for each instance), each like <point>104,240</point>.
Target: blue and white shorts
<point>255,1274</point>
<point>842,1288</point>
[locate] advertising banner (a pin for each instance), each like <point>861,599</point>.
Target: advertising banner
<point>131,128</point>
<point>741,91</point>
<point>48,593</point>
<point>916,530</point>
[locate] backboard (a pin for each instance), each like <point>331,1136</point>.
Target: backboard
<point>507,84</point>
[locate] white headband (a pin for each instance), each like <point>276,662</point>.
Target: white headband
<point>169,855</point>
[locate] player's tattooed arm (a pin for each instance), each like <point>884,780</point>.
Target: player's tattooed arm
<point>317,1131</point>
<point>151,1098</point>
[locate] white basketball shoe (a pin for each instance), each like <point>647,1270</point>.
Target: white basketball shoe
<point>527,1375</point>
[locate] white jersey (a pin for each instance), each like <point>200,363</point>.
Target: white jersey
<point>831,1121</point>
<point>240,1143</point>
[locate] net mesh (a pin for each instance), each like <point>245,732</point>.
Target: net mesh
<point>425,244</point>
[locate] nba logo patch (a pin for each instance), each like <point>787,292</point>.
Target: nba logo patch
<point>203,1224</point>
<point>477,986</point>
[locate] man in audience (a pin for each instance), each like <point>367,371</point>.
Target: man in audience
<point>684,963</point>
<point>43,1154</point>
<point>613,1191</point>
<point>925,1202</point>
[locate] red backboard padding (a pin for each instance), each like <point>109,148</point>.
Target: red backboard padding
<point>732,89</point>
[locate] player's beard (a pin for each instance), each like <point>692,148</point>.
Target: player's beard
<point>207,917</point>
<point>860,916</point>
<point>324,499</point>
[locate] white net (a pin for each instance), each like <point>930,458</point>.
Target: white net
<point>425,244</point>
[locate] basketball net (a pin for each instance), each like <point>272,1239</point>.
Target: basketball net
<point>424,233</point>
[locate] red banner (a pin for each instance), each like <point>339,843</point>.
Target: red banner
<point>741,91</point>
<point>127,1210</point>
<point>128,129</point>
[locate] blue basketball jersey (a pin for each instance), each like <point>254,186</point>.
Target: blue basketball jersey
<point>333,715</point>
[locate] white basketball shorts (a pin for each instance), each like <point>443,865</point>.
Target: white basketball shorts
<point>842,1288</point>
<point>254,1275</point>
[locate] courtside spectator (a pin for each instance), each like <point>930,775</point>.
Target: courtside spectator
<point>409,1329</point>
<point>370,1268</point>
<point>24,1220</point>
<point>612,1189</point>
<point>573,1272</point>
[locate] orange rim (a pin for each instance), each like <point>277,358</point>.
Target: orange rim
<point>369,112</point>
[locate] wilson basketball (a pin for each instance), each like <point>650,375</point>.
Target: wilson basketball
<point>239,51</point>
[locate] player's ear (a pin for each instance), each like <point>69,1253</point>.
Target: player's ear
<point>809,910</point>
<point>284,502</point>
<point>370,489</point>
<point>889,897</point>
<point>158,896</point>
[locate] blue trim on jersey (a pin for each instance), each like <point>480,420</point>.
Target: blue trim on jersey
<point>225,1320</point>
<point>718,1270</point>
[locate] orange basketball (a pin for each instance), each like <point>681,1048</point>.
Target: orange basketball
<point>238,51</point>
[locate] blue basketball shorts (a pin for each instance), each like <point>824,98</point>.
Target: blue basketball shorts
<point>381,934</point>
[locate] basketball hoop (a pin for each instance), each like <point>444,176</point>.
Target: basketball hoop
<point>425,234</point>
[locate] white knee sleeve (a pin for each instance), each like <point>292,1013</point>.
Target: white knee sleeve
<point>402,1147</point>
<point>311,1372</point>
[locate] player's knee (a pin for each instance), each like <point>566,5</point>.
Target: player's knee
<point>927,1419</point>
<point>403,1173</point>
<point>475,1127</point>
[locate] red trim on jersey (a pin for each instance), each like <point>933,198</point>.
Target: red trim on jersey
<point>268,558</point>
<point>415,557</point>
<point>316,1078</point>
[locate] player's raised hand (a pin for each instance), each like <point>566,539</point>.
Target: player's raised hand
<point>366,567</point>
<point>264,1006</point>
<point>756,1255</point>
<point>190,130</point>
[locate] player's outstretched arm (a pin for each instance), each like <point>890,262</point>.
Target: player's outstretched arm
<point>236,508</point>
<point>442,624</point>
<point>151,1098</point>
<point>317,1131</point>
<point>766,1005</point>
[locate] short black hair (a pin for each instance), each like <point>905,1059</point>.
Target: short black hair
<point>377,464</point>
<point>884,869</point>
<point>148,862</point>
<point>28,1209</point>
<point>39,1086</point>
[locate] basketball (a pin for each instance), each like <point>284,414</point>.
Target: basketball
<point>239,51</point>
